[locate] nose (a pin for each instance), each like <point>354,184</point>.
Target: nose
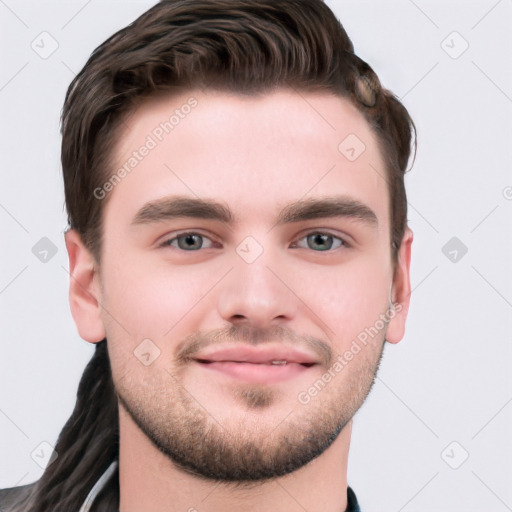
<point>256,294</point>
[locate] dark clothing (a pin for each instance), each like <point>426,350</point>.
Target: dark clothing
<point>12,495</point>
<point>352,505</point>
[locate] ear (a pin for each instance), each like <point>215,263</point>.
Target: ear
<point>84,289</point>
<point>401,290</point>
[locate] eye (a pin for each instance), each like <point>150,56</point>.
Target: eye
<point>320,242</point>
<point>189,242</point>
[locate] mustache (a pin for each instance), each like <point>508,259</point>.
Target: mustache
<point>244,334</point>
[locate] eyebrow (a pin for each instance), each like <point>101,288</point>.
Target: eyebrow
<point>175,207</point>
<point>339,206</point>
<point>302,210</point>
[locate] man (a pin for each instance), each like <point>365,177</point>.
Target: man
<point>239,254</point>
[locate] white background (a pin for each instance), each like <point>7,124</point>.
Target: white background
<point>449,380</point>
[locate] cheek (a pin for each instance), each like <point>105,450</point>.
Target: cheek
<point>347,298</point>
<point>144,301</point>
<point>148,297</point>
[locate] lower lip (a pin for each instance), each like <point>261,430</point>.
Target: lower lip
<point>257,373</point>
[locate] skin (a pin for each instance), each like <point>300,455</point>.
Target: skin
<point>254,155</point>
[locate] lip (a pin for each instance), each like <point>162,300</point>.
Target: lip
<point>257,355</point>
<point>254,365</point>
<point>256,373</point>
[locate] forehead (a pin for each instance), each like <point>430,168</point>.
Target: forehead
<point>256,153</point>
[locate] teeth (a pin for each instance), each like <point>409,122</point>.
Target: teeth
<point>278,362</point>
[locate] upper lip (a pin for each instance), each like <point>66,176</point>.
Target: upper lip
<point>249,354</point>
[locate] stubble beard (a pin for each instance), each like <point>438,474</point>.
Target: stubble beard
<point>239,449</point>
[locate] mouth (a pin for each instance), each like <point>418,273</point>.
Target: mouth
<point>256,373</point>
<point>264,364</point>
<point>267,363</point>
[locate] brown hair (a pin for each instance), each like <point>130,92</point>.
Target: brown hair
<point>243,46</point>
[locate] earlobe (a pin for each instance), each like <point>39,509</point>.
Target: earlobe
<point>84,289</point>
<point>401,291</point>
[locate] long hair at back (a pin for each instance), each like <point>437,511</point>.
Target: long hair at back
<point>86,446</point>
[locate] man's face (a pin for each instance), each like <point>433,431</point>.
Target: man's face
<point>289,261</point>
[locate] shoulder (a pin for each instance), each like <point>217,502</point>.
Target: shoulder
<point>12,495</point>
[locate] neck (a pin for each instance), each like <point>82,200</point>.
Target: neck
<point>149,480</point>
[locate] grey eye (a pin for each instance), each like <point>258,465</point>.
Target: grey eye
<point>189,242</point>
<point>320,242</point>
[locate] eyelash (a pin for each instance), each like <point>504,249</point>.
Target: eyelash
<point>342,242</point>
